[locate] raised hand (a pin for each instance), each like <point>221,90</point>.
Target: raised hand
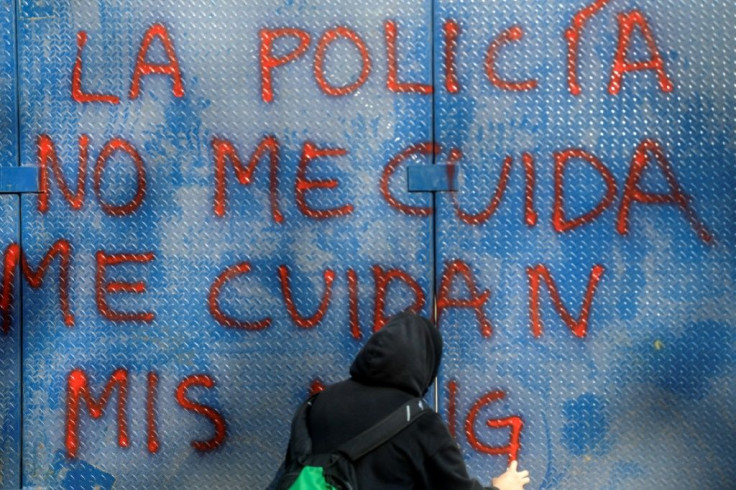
<point>511,479</point>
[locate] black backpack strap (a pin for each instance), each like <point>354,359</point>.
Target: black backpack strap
<point>385,429</point>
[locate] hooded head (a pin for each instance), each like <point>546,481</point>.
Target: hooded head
<point>405,354</point>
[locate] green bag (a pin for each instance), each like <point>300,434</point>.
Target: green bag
<point>335,470</point>
<point>310,478</point>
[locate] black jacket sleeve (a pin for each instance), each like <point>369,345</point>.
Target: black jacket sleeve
<point>444,467</point>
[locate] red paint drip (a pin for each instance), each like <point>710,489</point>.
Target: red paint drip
<point>452,387</point>
<point>353,304</point>
<point>530,215</point>
<point>451,30</point>
<point>153,442</point>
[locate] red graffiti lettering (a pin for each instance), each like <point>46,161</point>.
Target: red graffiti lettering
<point>324,42</point>
<point>303,185</point>
<point>426,148</point>
<point>483,216</point>
<point>78,94</point>
<point>144,68</point>
<point>224,150</point>
<point>514,33</point>
<point>110,148</point>
<point>559,221</point>
<point>316,318</point>
<point>78,387</point>
<point>269,61</point>
<point>514,423</point>
<point>626,23</point>
<point>63,249</point>
<point>578,326</point>
<point>316,386</point>
<point>215,417</point>
<point>392,77</point>
<point>47,157</point>
<point>572,36</point>
<point>476,300</point>
<point>13,255</point>
<point>676,196</point>
<point>451,30</point>
<point>452,408</point>
<point>383,279</point>
<point>153,442</point>
<point>47,154</point>
<point>103,287</point>
<point>530,215</point>
<point>214,300</point>
<point>353,304</point>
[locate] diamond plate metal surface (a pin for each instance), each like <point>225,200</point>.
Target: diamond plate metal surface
<point>644,396</point>
<point>10,431</point>
<point>10,435</point>
<point>640,396</point>
<point>183,247</point>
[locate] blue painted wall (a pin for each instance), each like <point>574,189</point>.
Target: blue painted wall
<point>10,342</point>
<point>645,399</point>
<point>642,401</point>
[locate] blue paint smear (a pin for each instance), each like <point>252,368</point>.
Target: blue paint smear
<point>685,364</point>
<point>587,424</point>
<point>79,475</point>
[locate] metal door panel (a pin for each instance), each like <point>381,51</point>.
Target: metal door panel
<point>10,386</point>
<point>10,433</point>
<point>260,375</point>
<point>643,397</point>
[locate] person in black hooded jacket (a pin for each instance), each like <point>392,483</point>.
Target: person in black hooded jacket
<point>397,363</point>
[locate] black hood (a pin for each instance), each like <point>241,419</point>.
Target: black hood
<point>405,354</point>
